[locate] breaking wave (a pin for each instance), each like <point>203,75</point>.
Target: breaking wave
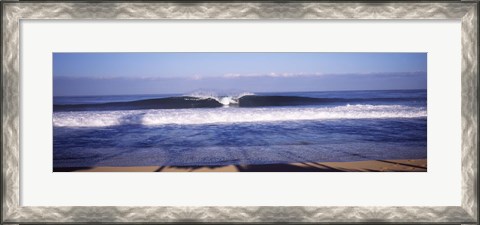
<point>226,100</point>
<point>213,101</point>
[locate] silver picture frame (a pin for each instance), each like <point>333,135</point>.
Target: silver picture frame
<point>14,12</point>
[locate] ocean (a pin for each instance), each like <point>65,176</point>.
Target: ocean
<point>215,129</point>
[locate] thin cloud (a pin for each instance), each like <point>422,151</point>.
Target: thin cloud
<point>271,74</point>
<point>197,77</point>
<point>303,74</point>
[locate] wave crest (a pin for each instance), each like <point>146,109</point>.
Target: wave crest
<point>225,100</point>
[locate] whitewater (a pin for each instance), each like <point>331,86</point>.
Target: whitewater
<point>232,115</point>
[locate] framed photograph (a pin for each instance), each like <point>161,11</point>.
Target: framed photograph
<point>353,116</point>
<point>307,112</point>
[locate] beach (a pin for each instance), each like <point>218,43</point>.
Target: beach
<point>404,165</point>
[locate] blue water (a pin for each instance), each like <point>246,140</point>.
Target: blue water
<point>204,129</point>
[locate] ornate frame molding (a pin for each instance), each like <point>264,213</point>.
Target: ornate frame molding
<point>14,12</point>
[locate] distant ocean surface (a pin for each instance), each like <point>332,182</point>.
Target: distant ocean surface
<point>207,129</point>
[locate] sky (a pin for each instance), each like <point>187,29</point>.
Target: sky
<point>80,74</point>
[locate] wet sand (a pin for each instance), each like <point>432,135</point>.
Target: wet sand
<point>404,165</point>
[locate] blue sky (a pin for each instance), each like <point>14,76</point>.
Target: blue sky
<point>160,73</point>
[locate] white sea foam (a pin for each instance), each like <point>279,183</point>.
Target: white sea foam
<point>232,115</point>
<point>226,100</point>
